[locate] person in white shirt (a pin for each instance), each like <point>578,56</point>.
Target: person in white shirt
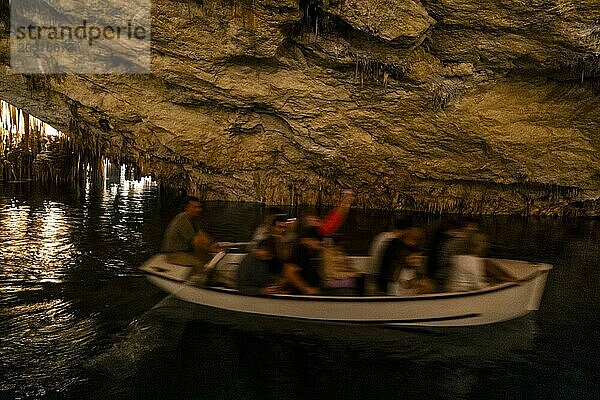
<point>468,271</point>
<point>406,280</point>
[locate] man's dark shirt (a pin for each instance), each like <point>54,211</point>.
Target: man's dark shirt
<point>435,248</point>
<point>309,261</point>
<point>253,275</point>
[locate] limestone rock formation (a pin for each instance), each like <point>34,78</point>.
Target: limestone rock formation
<point>434,105</point>
<point>388,20</point>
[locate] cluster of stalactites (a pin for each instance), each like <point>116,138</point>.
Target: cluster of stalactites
<point>31,150</point>
<point>20,130</point>
<point>23,138</point>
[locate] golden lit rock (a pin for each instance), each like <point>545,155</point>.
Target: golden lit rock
<point>450,105</point>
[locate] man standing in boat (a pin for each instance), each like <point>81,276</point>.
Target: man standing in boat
<point>184,242</point>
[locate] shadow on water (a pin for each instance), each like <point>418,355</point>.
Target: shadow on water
<point>182,351</point>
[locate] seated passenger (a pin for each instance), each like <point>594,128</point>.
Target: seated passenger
<point>339,277</point>
<point>468,269</point>
<point>301,272</point>
<point>259,271</point>
<point>453,243</point>
<point>278,231</point>
<point>403,263</point>
<point>441,235</point>
<point>406,280</point>
<point>396,250</point>
<point>263,231</point>
<point>471,272</point>
<point>383,239</point>
<point>184,242</point>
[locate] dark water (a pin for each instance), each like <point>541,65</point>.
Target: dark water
<point>77,321</point>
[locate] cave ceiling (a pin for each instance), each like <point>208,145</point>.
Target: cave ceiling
<point>438,105</point>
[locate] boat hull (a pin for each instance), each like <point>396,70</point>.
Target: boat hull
<point>493,304</point>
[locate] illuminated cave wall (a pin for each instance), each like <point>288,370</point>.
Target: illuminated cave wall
<point>440,106</point>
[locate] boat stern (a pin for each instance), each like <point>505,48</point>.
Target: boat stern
<point>158,266</point>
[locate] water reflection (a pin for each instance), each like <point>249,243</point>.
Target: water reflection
<point>69,290</point>
<point>57,246</point>
<point>36,243</point>
<point>41,346</point>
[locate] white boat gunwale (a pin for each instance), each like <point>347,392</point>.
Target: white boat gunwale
<point>367,298</point>
<point>495,303</point>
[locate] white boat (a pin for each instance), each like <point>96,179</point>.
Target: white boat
<point>492,304</point>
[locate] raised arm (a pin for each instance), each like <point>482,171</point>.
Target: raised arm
<point>334,219</point>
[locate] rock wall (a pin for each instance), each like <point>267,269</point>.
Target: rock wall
<point>440,105</point>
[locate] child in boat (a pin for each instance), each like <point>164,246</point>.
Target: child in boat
<point>338,276</point>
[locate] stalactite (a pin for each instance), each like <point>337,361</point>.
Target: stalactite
<point>367,68</point>
<point>444,92</point>
<point>32,150</point>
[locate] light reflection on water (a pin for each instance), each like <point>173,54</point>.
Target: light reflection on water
<point>74,318</point>
<point>36,242</point>
<point>58,246</point>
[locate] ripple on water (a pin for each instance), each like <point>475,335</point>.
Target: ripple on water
<point>43,345</point>
<point>51,240</point>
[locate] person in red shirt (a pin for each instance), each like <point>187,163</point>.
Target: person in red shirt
<point>329,224</point>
